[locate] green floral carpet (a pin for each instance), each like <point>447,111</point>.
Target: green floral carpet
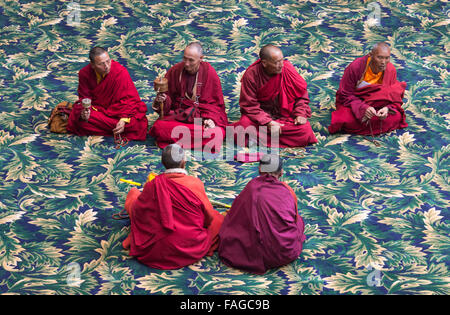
<point>377,218</point>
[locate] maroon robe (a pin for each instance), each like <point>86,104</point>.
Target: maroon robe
<point>282,98</point>
<point>190,97</point>
<point>113,98</point>
<point>352,102</point>
<point>262,230</point>
<point>173,224</point>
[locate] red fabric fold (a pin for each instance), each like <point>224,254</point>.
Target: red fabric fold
<point>211,104</point>
<point>352,102</point>
<point>164,202</point>
<point>180,111</point>
<point>262,230</point>
<point>279,98</point>
<point>113,98</point>
<point>170,225</point>
<point>288,86</point>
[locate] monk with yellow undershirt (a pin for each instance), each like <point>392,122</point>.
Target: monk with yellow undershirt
<point>369,98</point>
<point>173,223</point>
<point>116,108</point>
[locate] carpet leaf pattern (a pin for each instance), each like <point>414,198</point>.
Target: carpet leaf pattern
<point>377,218</point>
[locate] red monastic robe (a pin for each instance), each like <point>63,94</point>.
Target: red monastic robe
<point>190,97</point>
<point>173,224</point>
<point>262,230</point>
<point>281,97</point>
<point>113,98</point>
<point>352,102</point>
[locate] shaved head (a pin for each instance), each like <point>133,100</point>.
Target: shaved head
<point>267,51</point>
<point>271,59</point>
<point>272,164</point>
<point>173,156</point>
<point>381,46</point>
<point>197,46</point>
<point>96,51</point>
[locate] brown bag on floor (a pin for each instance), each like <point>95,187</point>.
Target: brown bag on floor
<point>59,117</point>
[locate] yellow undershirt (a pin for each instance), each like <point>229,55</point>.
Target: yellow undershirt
<point>99,76</point>
<point>99,79</point>
<point>371,77</point>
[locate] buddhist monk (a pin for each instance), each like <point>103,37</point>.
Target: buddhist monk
<point>173,224</point>
<point>194,96</point>
<point>263,229</point>
<point>369,99</point>
<point>273,94</point>
<point>116,108</point>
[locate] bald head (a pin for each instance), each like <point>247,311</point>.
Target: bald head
<point>173,156</point>
<point>271,59</point>
<point>192,57</point>
<point>381,46</point>
<point>268,51</point>
<point>271,164</point>
<point>96,51</point>
<point>196,46</point>
<point>380,57</point>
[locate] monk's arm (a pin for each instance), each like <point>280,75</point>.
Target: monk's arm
<point>83,87</point>
<point>347,88</point>
<point>294,196</point>
<point>301,106</point>
<point>198,188</point>
<point>214,104</point>
<point>391,107</point>
<point>249,103</point>
<point>125,103</point>
<point>125,100</point>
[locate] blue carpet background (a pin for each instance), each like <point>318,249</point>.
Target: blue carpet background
<point>377,218</point>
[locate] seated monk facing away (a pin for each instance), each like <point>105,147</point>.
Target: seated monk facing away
<point>173,224</point>
<point>116,108</point>
<point>263,229</point>
<point>273,94</point>
<point>369,99</point>
<point>194,92</point>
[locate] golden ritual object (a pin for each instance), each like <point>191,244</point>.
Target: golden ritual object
<point>161,85</point>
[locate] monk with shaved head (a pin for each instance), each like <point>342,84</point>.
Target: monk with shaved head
<point>369,98</point>
<point>173,223</point>
<point>116,108</point>
<point>194,95</point>
<point>274,95</point>
<point>263,229</point>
